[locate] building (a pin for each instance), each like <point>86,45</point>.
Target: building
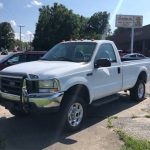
<point>141,40</point>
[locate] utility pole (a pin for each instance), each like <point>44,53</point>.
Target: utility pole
<point>20,26</point>
<point>30,40</point>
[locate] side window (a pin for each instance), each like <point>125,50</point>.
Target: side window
<point>22,58</point>
<point>106,51</point>
<point>30,57</point>
<point>141,56</point>
<point>19,58</point>
<point>133,56</point>
<point>14,59</point>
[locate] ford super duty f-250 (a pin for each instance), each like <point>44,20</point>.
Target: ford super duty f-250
<point>71,76</point>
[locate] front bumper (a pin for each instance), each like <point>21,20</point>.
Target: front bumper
<point>39,100</point>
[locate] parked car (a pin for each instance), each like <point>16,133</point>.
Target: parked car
<point>19,57</point>
<point>71,76</point>
<point>122,53</point>
<point>4,52</point>
<point>134,56</point>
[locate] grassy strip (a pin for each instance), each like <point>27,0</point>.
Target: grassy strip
<point>134,116</point>
<point>109,121</point>
<point>131,143</point>
<point>147,116</point>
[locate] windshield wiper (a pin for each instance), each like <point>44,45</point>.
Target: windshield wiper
<point>44,59</point>
<point>63,59</point>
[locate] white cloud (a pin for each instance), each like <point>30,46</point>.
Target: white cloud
<point>17,35</point>
<point>29,33</point>
<point>34,3</point>
<point>26,37</point>
<point>13,23</point>
<point>29,36</point>
<point>1,5</point>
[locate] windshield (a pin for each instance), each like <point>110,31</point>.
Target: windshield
<point>71,51</point>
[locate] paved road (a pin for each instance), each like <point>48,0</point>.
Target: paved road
<point>41,130</point>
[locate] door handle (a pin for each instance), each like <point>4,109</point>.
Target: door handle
<point>119,70</point>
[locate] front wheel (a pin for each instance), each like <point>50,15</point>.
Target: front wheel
<point>73,112</point>
<point>137,93</point>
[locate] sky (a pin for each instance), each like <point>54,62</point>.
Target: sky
<point>25,12</point>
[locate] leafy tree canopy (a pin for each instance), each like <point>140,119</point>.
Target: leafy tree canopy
<point>6,36</point>
<point>58,23</point>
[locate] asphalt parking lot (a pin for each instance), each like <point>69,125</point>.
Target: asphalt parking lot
<point>42,130</point>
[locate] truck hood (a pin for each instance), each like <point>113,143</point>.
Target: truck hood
<point>46,68</point>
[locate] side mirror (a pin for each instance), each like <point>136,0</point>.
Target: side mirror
<point>104,62</point>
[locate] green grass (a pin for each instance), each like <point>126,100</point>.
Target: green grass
<point>109,121</point>
<point>131,143</point>
<point>147,116</point>
<point>134,116</point>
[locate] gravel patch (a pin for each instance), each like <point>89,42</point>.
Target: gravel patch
<point>137,127</point>
<point>134,121</point>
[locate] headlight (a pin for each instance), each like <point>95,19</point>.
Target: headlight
<point>49,86</point>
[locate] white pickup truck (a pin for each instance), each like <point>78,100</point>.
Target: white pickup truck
<point>71,76</point>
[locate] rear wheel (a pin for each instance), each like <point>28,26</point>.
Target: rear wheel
<point>73,112</point>
<point>137,93</point>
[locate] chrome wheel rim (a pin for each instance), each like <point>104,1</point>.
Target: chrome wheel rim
<point>75,114</point>
<point>140,90</point>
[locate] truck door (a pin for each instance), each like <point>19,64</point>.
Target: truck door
<point>107,80</point>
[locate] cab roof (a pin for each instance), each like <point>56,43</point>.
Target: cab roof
<point>92,41</point>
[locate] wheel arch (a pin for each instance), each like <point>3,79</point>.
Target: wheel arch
<point>80,90</point>
<point>142,76</point>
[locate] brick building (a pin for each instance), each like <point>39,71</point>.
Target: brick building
<point>141,40</point>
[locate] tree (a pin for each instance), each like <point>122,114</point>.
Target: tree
<point>6,35</point>
<point>58,23</point>
<point>83,27</point>
<point>98,24</point>
<point>54,25</point>
<point>25,45</point>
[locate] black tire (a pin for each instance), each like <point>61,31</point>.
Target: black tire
<point>19,113</point>
<point>69,103</point>
<point>137,93</point>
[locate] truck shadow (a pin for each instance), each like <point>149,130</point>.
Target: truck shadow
<point>41,130</point>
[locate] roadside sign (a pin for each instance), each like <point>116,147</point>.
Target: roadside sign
<point>129,21</point>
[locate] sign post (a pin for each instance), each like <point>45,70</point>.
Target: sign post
<point>129,21</point>
<point>132,39</point>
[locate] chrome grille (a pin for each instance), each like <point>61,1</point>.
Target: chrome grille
<point>11,85</point>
